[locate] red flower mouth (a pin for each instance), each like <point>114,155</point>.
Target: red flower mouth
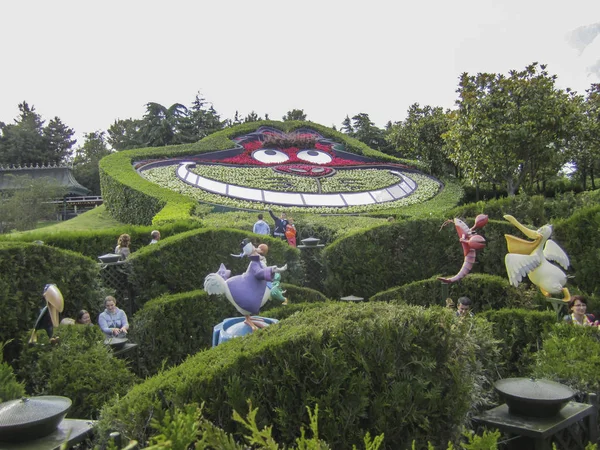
<point>305,170</point>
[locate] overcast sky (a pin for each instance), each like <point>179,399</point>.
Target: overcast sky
<point>91,62</point>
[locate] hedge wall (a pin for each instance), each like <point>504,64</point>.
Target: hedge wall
<point>25,269</point>
<point>180,263</point>
<point>93,243</point>
<point>579,236</point>
<point>520,334</point>
<point>79,367</point>
<point>131,199</point>
<point>417,382</point>
<point>381,257</point>
<point>486,291</point>
<point>173,327</point>
<point>534,209</point>
<point>571,355</point>
<point>395,254</point>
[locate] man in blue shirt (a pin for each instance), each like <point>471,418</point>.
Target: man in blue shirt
<point>261,227</point>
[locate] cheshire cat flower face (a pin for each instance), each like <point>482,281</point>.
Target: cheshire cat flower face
<point>299,170</point>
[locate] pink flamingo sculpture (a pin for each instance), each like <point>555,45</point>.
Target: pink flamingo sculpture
<point>470,242</point>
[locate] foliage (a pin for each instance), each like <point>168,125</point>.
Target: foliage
<point>579,236</point>
<point>25,269</point>
<point>87,157</point>
<point>95,242</point>
<point>381,257</point>
<point>28,141</point>
<point>422,373</point>
<point>419,136</point>
<point>29,203</point>
<point>520,334</point>
<point>534,209</point>
<point>294,114</point>
<point>10,388</point>
<point>79,367</point>
<point>487,292</point>
<point>510,129</point>
<point>570,355</point>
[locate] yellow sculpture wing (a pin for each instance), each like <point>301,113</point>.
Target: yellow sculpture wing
<point>518,266</point>
<point>553,252</point>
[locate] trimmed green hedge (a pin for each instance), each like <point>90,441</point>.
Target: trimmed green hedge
<point>579,236</point>
<point>369,367</point>
<point>534,209</point>
<point>571,356</point>
<point>25,269</point>
<point>79,367</point>
<point>486,291</point>
<point>375,259</point>
<point>170,328</point>
<point>520,334</point>
<point>94,243</point>
<point>131,199</point>
<point>180,263</point>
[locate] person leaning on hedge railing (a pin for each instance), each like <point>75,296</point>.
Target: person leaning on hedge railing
<point>113,321</point>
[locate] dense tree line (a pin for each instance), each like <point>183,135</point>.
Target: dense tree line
<point>515,132</point>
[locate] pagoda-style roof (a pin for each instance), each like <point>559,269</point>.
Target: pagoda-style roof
<point>62,175</point>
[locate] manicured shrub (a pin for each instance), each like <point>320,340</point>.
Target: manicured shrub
<point>94,243</point>
<point>181,263</point>
<point>25,269</point>
<point>79,367</point>
<point>520,334</point>
<point>579,236</point>
<point>170,328</point>
<point>369,367</point>
<point>10,388</point>
<point>485,291</point>
<point>571,355</point>
<point>394,254</point>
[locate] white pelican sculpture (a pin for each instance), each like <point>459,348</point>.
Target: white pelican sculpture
<point>532,258</point>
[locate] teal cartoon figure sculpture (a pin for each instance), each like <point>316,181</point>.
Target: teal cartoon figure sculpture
<point>533,259</point>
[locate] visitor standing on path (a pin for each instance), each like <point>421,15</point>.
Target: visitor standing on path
<point>280,225</point>
<point>261,227</point>
<point>290,232</point>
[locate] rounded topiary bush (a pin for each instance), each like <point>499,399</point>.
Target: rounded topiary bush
<point>485,291</point>
<point>408,372</point>
<point>571,355</point>
<point>79,367</point>
<point>25,269</point>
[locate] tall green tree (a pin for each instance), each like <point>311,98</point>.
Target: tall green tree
<point>87,157</point>
<point>510,129</point>
<point>125,134</point>
<point>163,126</point>
<point>419,136</point>
<point>22,208</point>
<point>23,142</point>
<point>252,117</point>
<point>366,131</point>
<point>295,114</point>
<point>202,120</point>
<point>28,141</point>
<point>59,141</point>
<point>585,147</point>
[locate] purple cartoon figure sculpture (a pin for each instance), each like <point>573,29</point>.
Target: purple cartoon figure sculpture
<point>470,241</point>
<point>247,292</point>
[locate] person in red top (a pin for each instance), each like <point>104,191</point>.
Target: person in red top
<point>290,232</point>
